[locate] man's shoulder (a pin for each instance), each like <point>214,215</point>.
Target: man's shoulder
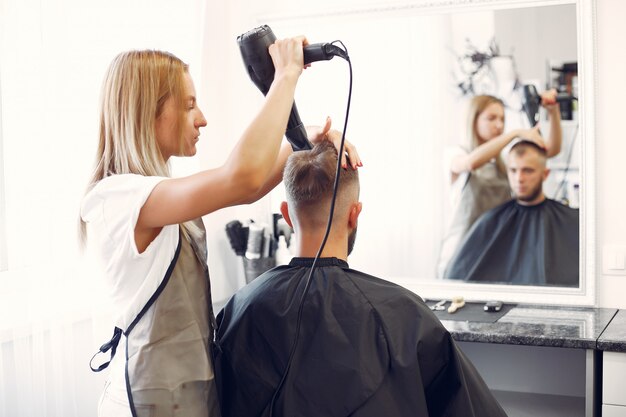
<point>497,210</point>
<point>561,206</point>
<point>565,214</point>
<point>379,290</point>
<point>276,287</point>
<point>491,217</point>
<point>371,286</point>
<point>404,314</point>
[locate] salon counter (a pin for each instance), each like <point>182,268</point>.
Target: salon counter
<point>528,325</point>
<point>548,360</point>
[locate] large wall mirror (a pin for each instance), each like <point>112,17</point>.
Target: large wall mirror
<point>415,68</point>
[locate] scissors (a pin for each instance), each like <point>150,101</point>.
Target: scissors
<point>439,306</point>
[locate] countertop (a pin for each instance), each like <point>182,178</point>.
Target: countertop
<point>614,336</point>
<point>555,326</point>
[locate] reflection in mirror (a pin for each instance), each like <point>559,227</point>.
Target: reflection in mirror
<point>415,75</point>
<point>529,240</point>
<point>503,226</point>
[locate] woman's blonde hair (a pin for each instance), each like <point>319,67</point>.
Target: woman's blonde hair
<point>478,104</point>
<point>136,86</point>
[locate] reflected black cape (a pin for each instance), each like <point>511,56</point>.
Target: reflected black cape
<point>367,348</point>
<point>530,245</point>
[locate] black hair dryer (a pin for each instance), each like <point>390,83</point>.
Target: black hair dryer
<point>254,46</point>
<point>532,102</point>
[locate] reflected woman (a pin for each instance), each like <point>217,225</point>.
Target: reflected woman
<point>477,172</point>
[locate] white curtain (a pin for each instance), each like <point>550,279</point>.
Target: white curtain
<point>53,313</point>
<point>50,329</point>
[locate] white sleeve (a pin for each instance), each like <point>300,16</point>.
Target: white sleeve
<point>111,210</point>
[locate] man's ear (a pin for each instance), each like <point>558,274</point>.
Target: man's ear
<point>284,210</point>
<point>353,216</point>
<point>546,172</point>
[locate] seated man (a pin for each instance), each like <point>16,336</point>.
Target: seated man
<point>365,347</point>
<point>530,240</point>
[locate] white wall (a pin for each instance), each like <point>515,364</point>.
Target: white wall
<point>545,32</point>
<point>610,143</point>
<point>240,15</point>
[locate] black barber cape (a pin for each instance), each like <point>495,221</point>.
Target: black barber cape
<point>527,245</point>
<point>367,348</point>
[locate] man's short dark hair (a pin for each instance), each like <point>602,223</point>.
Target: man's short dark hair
<point>309,176</point>
<point>520,148</point>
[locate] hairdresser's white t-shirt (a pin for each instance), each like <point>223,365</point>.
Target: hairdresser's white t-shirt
<point>111,210</point>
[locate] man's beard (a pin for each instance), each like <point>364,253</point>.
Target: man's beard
<point>536,192</point>
<point>351,239</point>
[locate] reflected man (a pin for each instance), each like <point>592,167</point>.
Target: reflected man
<point>530,240</point>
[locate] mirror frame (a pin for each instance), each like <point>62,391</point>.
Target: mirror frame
<point>585,294</point>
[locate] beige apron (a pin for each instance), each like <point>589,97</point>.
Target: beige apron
<point>484,189</point>
<point>169,367</point>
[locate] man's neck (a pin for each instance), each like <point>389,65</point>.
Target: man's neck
<point>308,244</point>
<point>540,199</point>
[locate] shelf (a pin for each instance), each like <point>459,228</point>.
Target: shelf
<point>523,404</point>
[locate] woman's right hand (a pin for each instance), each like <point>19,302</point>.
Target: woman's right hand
<point>288,56</point>
<point>548,99</point>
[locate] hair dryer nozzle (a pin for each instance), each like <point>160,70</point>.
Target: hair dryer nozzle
<point>253,46</point>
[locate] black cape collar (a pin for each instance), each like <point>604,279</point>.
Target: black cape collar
<point>308,262</point>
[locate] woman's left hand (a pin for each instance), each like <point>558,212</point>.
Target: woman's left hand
<point>317,134</point>
<point>533,135</point>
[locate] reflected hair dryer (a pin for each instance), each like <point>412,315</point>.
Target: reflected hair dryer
<point>532,102</point>
<point>254,46</point>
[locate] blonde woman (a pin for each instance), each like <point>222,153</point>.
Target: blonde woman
<point>478,174</point>
<point>147,227</point>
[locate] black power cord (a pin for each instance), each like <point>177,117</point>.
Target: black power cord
<point>319,252</point>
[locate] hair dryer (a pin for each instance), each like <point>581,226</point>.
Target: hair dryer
<point>532,102</point>
<point>254,46</point>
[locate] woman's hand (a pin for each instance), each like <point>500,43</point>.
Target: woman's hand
<point>548,99</point>
<point>317,134</point>
<point>533,135</point>
<point>288,56</point>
